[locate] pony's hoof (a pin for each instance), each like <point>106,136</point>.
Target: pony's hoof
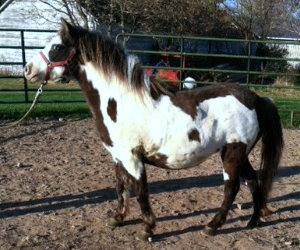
<point>113,222</point>
<point>209,231</point>
<point>145,236</point>
<point>254,223</point>
<point>265,211</point>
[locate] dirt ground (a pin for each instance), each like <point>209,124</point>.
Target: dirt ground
<point>57,192</point>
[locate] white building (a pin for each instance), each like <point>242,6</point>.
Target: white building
<point>27,14</point>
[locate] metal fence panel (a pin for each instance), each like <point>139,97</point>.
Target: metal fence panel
<point>24,43</point>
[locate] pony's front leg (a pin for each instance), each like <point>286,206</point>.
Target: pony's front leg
<point>123,182</point>
<point>127,173</point>
<point>142,193</point>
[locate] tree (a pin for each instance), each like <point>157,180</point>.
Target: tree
<point>247,18</point>
<point>182,17</point>
<point>293,24</point>
<point>260,17</point>
<point>70,9</point>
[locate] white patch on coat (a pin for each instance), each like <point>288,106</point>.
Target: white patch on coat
<point>131,114</point>
<point>227,120</point>
<point>225,176</point>
<point>167,134</point>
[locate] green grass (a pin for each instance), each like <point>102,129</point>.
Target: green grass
<point>42,110</point>
<point>45,97</point>
<point>18,84</point>
<point>74,110</point>
<point>287,100</point>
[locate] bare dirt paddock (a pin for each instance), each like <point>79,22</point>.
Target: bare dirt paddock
<point>57,192</point>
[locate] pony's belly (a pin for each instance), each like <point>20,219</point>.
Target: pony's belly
<point>185,162</point>
<point>180,159</point>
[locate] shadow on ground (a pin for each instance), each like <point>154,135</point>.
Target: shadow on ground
<point>51,204</point>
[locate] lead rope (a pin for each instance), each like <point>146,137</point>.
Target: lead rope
<point>36,98</point>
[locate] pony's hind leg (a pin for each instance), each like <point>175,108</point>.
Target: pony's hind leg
<point>249,175</point>
<point>233,155</point>
<point>123,182</point>
<point>143,199</point>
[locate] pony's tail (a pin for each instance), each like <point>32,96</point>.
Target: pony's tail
<point>272,144</point>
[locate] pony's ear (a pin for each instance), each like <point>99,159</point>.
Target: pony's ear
<point>67,31</point>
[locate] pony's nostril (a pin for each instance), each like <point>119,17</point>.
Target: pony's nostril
<point>27,69</point>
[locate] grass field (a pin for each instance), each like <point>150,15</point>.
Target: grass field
<point>287,100</point>
<point>77,107</point>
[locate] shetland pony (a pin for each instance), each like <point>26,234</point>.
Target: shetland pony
<point>139,122</point>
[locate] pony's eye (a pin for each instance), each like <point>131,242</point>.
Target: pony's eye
<point>57,47</point>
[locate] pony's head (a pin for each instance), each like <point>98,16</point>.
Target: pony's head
<point>55,60</point>
<point>75,49</point>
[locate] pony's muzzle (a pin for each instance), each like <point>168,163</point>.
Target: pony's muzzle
<point>29,72</point>
<point>27,69</point>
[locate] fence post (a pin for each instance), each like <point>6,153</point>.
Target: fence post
<point>181,62</point>
<point>292,118</point>
<point>24,63</point>
<point>248,62</point>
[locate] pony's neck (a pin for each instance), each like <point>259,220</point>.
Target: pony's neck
<point>113,85</point>
<point>134,84</point>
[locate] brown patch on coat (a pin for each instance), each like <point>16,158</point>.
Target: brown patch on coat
<point>112,109</point>
<point>124,177</point>
<point>58,52</point>
<point>194,135</point>
<point>157,160</point>
<point>93,99</point>
<point>188,100</point>
<point>233,156</point>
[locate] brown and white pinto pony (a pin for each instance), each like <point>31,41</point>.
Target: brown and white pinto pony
<point>140,123</point>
